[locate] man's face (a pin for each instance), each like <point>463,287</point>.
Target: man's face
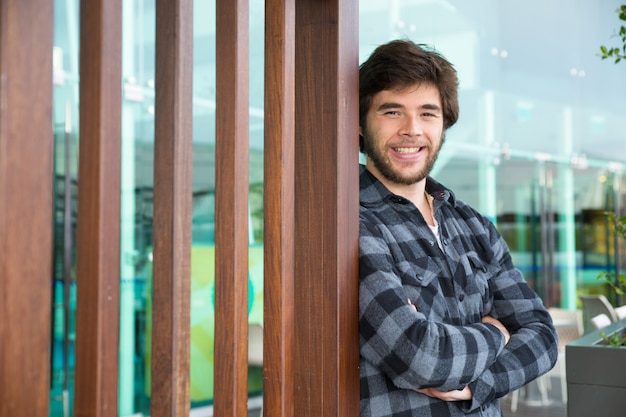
<point>403,133</point>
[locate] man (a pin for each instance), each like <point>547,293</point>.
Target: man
<point>448,325</point>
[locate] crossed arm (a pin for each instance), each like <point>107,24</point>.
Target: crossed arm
<point>465,393</point>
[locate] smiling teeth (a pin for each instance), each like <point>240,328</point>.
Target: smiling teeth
<point>407,150</point>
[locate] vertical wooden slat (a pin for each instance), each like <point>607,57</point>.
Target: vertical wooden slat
<point>231,208</point>
<point>25,205</point>
<point>98,230</point>
<point>172,209</point>
<point>347,233</point>
<point>326,211</point>
<point>279,188</point>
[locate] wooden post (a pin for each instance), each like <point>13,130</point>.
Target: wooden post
<point>98,232</point>
<point>279,188</point>
<point>172,209</point>
<point>231,209</point>
<point>326,209</point>
<point>26,179</point>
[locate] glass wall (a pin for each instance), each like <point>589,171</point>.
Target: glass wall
<point>137,200</point>
<point>538,148</point>
<point>537,143</point>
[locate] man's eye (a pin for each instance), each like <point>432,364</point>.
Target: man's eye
<point>392,113</point>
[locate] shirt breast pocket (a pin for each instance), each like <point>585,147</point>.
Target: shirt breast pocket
<point>420,281</point>
<point>479,283</point>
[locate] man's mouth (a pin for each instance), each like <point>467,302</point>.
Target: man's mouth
<point>407,151</point>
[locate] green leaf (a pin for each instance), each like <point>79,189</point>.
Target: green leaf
<point>615,340</point>
<point>617,53</point>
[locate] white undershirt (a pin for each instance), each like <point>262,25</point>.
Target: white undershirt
<point>435,230</point>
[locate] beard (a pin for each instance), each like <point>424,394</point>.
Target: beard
<point>380,160</point>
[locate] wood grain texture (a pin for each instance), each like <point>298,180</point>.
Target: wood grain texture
<point>279,189</point>
<point>26,207</point>
<point>231,208</point>
<point>326,211</point>
<point>172,209</point>
<point>98,230</point>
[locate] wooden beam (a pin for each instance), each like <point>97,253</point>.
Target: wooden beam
<point>26,178</point>
<point>279,196</point>
<point>231,208</point>
<point>98,230</point>
<point>326,213</point>
<point>172,209</point>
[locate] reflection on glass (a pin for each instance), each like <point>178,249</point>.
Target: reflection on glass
<point>538,148</point>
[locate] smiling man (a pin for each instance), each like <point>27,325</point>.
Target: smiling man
<point>448,325</point>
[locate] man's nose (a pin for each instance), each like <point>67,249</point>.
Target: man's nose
<point>411,127</point>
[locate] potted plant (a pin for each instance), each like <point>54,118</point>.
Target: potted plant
<point>596,374</point>
<point>596,363</point>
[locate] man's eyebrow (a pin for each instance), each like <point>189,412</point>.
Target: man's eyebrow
<point>431,107</point>
<point>392,105</point>
<point>389,105</point>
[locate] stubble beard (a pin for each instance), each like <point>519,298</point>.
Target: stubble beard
<point>382,164</point>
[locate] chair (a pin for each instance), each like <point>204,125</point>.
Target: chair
<point>569,327</point>
<point>594,305</point>
<point>621,312</point>
<point>255,348</point>
<point>542,385</point>
<point>600,321</point>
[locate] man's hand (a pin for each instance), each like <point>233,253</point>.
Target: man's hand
<point>456,395</point>
<point>499,325</point>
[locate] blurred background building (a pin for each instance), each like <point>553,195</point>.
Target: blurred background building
<point>539,148</point>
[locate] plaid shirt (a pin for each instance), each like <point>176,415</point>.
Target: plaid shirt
<point>444,344</point>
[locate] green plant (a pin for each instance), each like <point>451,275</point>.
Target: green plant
<point>617,283</point>
<point>616,52</point>
<point>616,339</point>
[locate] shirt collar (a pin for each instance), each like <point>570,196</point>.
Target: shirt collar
<point>373,192</point>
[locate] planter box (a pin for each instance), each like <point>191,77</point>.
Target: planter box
<point>596,375</point>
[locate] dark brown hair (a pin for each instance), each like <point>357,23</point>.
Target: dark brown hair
<point>402,63</point>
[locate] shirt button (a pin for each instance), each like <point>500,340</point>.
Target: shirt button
<point>461,297</point>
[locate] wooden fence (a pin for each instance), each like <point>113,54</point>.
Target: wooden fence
<point>311,206</point>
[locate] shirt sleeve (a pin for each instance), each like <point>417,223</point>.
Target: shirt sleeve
<point>412,351</point>
<point>533,347</point>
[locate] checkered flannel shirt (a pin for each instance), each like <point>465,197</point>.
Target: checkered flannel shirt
<point>443,344</point>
